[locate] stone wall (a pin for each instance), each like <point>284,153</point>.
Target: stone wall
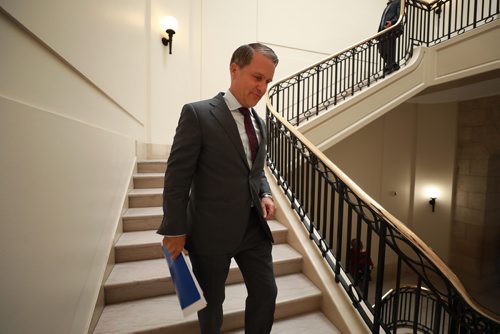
<point>475,246</point>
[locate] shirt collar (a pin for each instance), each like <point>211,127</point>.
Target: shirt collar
<point>231,101</point>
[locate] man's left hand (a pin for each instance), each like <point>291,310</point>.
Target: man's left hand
<point>268,208</point>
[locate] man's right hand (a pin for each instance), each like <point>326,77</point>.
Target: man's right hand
<point>174,244</point>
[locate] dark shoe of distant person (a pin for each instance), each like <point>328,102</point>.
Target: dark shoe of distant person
<point>389,69</point>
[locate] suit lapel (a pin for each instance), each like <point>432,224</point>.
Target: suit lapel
<point>223,115</point>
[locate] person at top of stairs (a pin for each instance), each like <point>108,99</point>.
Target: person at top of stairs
<point>387,42</point>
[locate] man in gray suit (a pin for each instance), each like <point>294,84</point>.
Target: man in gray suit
<point>216,198</point>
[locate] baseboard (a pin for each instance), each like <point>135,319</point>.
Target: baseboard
<point>100,302</point>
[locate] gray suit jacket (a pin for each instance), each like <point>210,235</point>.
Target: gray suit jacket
<point>209,186</point>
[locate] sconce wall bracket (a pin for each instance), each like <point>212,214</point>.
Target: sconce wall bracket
<point>168,41</point>
<point>432,202</point>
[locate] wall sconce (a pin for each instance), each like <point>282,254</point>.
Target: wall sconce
<point>433,193</point>
<point>169,25</point>
<point>432,202</point>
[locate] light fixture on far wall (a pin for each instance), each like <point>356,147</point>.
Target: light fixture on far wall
<point>432,202</point>
<point>433,193</point>
<point>169,25</point>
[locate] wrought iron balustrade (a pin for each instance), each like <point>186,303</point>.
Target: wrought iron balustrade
<point>338,215</point>
<point>411,300</point>
<point>343,221</point>
<point>323,85</point>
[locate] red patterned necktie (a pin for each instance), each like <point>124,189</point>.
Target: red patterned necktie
<point>250,130</point>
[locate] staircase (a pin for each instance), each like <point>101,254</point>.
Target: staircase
<point>139,293</point>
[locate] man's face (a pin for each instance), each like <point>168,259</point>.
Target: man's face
<point>249,83</point>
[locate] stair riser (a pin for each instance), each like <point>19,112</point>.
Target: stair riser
<point>293,307</point>
<point>138,290</point>
<point>148,182</point>
<point>153,250</point>
<point>188,327</point>
<point>145,201</point>
<point>280,237</point>
<point>141,223</point>
<point>283,310</point>
<point>162,286</point>
<point>152,167</point>
<point>237,319</point>
<point>138,252</point>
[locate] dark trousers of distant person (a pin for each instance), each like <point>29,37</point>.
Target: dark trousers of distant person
<point>387,50</point>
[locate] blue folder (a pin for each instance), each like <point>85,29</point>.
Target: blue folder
<point>186,286</point>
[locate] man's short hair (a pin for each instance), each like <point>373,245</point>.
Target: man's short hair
<point>243,55</point>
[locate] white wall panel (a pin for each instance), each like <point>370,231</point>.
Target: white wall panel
<point>33,75</point>
<point>396,190</point>
<point>222,32</point>
<point>105,40</point>
<point>210,30</point>
<point>62,188</point>
<point>175,78</point>
<point>67,154</point>
<point>435,166</point>
<point>323,26</point>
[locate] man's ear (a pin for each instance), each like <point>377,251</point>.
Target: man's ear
<point>233,69</point>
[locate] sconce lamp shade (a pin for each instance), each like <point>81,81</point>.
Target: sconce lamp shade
<point>169,23</point>
<point>433,193</point>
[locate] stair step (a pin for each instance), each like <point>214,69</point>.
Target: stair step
<point>145,197</point>
<point>140,219</point>
<point>149,278</point>
<point>163,315</point>
<point>315,322</point>
<point>152,166</point>
<point>148,180</point>
<point>144,245</point>
<point>140,245</point>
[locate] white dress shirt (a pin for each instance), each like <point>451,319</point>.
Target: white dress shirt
<point>233,106</point>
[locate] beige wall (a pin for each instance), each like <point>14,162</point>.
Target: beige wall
<point>175,78</point>
<point>199,65</point>
<point>62,189</point>
<point>476,226</point>
<point>213,36</point>
<point>103,41</point>
<point>395,157</point>
<point>335,24</point>
<point>67,153</point>
<point>435,167</point>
